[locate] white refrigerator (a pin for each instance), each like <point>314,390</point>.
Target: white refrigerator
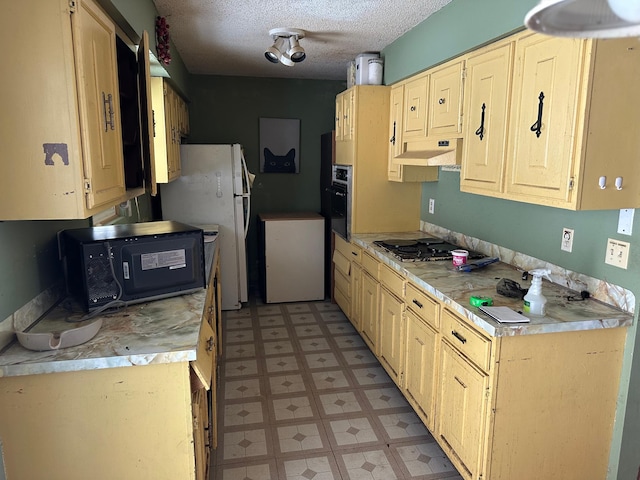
<point>214,188</point>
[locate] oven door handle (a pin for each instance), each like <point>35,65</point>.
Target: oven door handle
<point>339,194</point>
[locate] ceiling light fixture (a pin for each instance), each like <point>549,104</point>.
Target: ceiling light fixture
<point>286,48</point>
<point>585,18</point>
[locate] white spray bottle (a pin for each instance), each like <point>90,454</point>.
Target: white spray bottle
<point>534,301</point>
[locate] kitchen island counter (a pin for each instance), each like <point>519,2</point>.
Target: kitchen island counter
<point>454,288</point>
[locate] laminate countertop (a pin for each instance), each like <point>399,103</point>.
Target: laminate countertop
<point>454,288</point>
<point>160,331</point>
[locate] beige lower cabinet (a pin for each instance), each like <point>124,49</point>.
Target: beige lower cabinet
<point>370,299</point>
<point>422,348</point>
<point>356,296</point>
<point>462,406</point>
<point>142,422</point>
<point>534,406</point>
<point>391,333</point>
<point>345,256</point>
<point>527,406</point>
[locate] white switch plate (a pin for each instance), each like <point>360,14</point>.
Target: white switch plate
<point>617,253</point>
<point>625,221</point>
<point>567,240</point>
<point>432,205</point>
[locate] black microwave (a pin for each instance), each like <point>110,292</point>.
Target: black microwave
<point>117,265</point>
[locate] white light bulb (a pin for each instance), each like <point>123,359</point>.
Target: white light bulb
<point>628,10</point>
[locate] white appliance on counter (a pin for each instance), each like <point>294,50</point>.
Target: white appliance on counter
<point>292,257</point>
<point>214,188</point>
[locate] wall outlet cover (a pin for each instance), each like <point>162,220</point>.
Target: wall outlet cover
<point>567,240</point>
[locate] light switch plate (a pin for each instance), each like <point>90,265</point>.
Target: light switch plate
<point>432,205</point>
<point>617,253</point>
<point>625,221</point>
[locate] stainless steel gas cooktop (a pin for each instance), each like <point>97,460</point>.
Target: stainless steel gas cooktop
<point>425,249</point>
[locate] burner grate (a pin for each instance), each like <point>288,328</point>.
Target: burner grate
<point>421,250</point>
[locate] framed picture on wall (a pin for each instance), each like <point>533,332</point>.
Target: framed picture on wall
<point>279,145</point>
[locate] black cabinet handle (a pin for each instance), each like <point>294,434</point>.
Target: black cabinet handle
<point>458,336</point>
<point>392,140</point>
<point>417,303</point>
<point>480,130</point>
<point>413,108</point>
<point>537,127</point>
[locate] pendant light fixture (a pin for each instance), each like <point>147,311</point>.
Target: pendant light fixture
<point>286,47</point>
<point>586,18</point>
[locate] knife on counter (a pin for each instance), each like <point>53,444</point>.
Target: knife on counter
<point>476,264</point>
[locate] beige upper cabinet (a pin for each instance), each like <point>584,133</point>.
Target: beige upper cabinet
<point>445,99</point>
<point>169,128</point>
<point>486,107</point>
<point>574,122</point>
<point>544,115</point>
<point>63,150</point>
<point>345,112</point>
<point>416,94</point>
<point>429,125</point>
<point>397,133</point>
<point>377,205</point>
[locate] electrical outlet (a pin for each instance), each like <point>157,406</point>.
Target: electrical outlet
<point>567,239</point>
<point>432,206</point>
<point>617,253</point>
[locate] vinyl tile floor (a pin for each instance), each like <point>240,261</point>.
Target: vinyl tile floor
<point>301,397</point>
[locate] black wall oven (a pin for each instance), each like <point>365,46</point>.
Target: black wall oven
<point>341,190</point>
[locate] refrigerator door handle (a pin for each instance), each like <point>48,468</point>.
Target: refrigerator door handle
<point>246,195</point>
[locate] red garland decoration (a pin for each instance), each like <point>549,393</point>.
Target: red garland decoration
<point>162,41</point>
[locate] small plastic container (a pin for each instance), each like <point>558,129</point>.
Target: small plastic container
<point>459,257</point>
<point>375,71</point>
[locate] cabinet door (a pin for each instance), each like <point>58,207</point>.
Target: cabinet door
<point>420,367</point>
<point>462,408</point>
<point>369,318</point>
<point>348,113</point>
<point>391,333</point>
<point>338,119</point>
<point>201,445</point>
<point>395,132</point>
<point>96,67</point>
<point>445,104</point>
<point>172,132</point>
<point>540,161</point>
<point>356,295</point>
<point>486,103</point>
<point>415,107</point>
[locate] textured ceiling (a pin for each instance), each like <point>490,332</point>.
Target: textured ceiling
<point>227,37</point>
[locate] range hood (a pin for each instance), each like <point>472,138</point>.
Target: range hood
<point>430,152</point>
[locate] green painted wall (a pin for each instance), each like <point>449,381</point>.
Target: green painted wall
<point>529,229</point>
<point>228,109</point>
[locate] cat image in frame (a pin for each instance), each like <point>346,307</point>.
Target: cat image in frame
<point>280,163</point>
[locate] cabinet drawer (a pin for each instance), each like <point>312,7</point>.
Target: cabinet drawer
<point>342,283</point>
<point>342,300</point>
<point>371,265</point>
<point>349,250</point>
<point>355,253</point>
<point>392,280</point>
<point>343,265</point>
<point>473,346</point>
<point>423,305</point>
